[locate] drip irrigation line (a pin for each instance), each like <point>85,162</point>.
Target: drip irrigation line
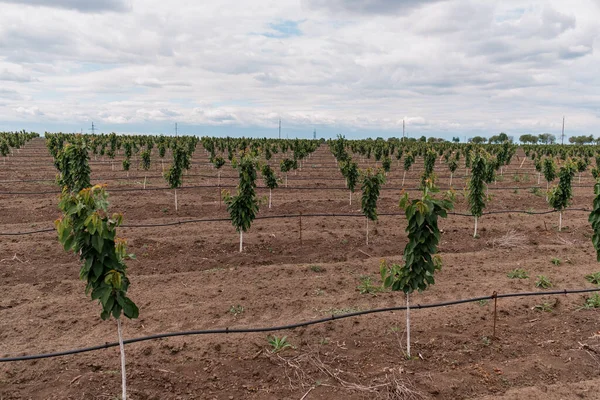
<point>285,216</point>
<point>209,176</point>
<point>307,188</point>
<point>292,326</point>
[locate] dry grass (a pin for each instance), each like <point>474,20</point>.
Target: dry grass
<point>510,240</point>
<point>308,370</point>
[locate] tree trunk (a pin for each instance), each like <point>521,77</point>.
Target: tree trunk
<point>270,190</point>
<point>176,209</point>
<point>560,220</point>
<point>403,176</point>
<point>539,175</point>
<point>241,239</point>
<point>367,231</point>
<point>475,234</point>
<point>451,173</point>
<point>219,184</point>
<point>520,166</point>
<point>286,180</point>
<point>122,348</point>
<point>407,325</point>
<point>145,181</point>
<point>350,198</point>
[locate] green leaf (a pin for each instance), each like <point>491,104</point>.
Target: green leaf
<point>68,242</point>
<point>97,243</point>
<point>130,309</point>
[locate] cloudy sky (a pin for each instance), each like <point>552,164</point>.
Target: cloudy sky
<point>356,67</point>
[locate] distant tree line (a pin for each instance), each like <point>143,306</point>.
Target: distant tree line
<point>546,138</point>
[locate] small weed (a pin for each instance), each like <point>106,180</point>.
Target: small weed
<point>536,191</point>
<point>165,210</point>
<point>543,282</point>
<point>545,307</point>
<point>516,191</point>
<point>486,340</point>
<point>517,178</point>
<point>236,310</point>
<point>324,341</point>
<point>555,261</point>
<point>367,287</point>
<point>483,302</point>
<point>278,344</point>
<point>518,273</point>
<point>215,270</point>
<point>592,302</point>
<point>111,372</point>
<point>344,241</point>
<point>317,268</point>
<point>319,292</point>
<point>340,311</point>
<point>395,329</point>
<point>593,278</point>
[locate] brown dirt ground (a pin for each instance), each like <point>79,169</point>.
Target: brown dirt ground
<point>190,276</point>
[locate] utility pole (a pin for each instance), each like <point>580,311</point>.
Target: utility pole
<point>315,133</point>
<point>93,128</point>
<point>402,128</point>
<point>562,136</point>
<point>279,128</point>
<point>175,129</point>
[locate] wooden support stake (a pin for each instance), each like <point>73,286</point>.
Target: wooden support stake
<point>300,224</point>
<point>495,296</point>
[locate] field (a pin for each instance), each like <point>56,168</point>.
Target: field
<point>191,277</point>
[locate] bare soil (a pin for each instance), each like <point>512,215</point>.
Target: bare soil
<point>191,277</point>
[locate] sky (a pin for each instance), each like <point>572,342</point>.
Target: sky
<point>353,67</point>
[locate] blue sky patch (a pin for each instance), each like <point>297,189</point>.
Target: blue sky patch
<point>283,29</point>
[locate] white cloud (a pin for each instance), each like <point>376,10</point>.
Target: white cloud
<point>87,6</point>
<point>443,66</point>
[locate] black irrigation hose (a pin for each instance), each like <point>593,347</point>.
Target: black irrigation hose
<point>327,215</point>
<point>290,178</point>
<point>290,326</point>
<point>308,188</point>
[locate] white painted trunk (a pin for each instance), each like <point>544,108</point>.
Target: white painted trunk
<point>350,198</point>
<point>123,373</point>
<point>559,221</point>
<point>367,231</point>
<point>145,181</point>
<point>241,240</point>
<point>451,179</point>
<point>475,233</point>
<point>270,190</point>
<point>176,209</point>
<point>403,176</point>
<point>407,325</point>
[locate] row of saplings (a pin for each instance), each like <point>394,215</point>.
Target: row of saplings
<point>90,232</point>
<point>483,166</point>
